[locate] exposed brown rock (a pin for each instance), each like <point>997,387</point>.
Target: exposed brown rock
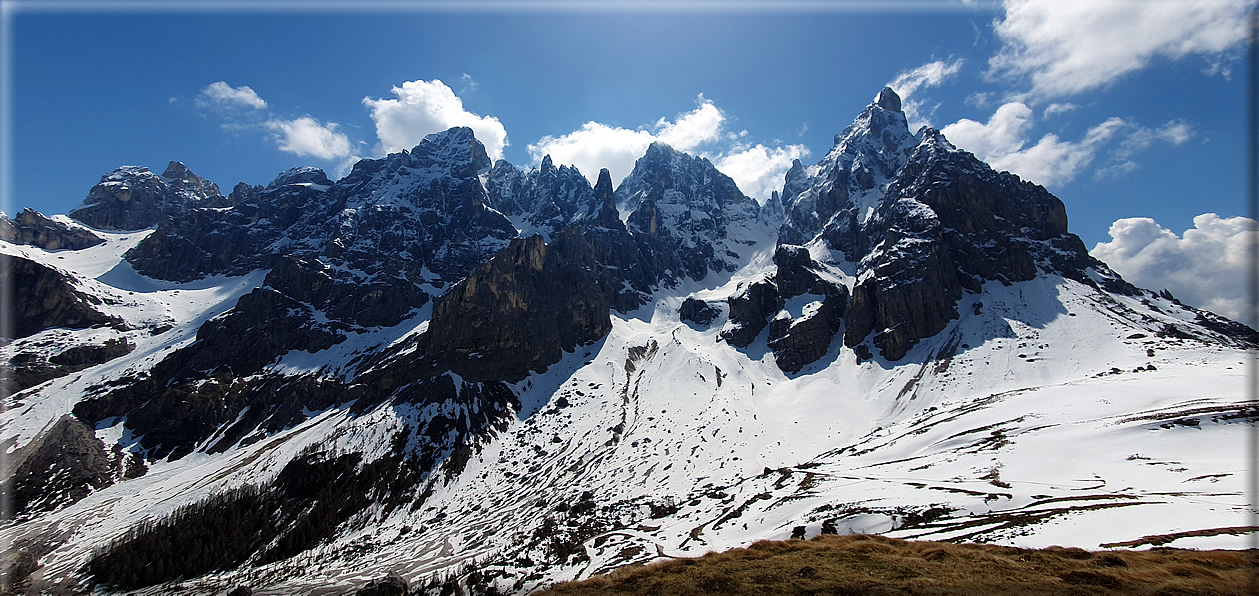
<point>518,311</point>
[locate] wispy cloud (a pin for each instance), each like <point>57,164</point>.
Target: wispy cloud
<point>907,83</point>
<point>1140,139</point>
<point>1005,142</point>
<point>1054,109</point>
<point>1066,47</point>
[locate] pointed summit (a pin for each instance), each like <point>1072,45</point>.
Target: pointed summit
<point>606,216</point>
<point>888,100</point>
<point>177,170</point>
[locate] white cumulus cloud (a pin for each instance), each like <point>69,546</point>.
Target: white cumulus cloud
<point>1207,266</point>
<point>219,95</point>
<point>426,107</point>
<point>596,145</point>
<point>306,137</point>
<point>1065,47</point>
<point>759,170</point>
<point>692,129</point>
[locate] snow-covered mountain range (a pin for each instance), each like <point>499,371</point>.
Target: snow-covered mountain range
<point>470,373</point>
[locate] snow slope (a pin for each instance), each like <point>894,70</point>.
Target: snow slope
<point>1037,418</point>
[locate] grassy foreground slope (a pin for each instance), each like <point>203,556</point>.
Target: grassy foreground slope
<point>863,564</point>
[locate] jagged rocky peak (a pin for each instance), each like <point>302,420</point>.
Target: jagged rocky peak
<point>544,199</point>
<point>684,209</point>
<point>919,223</point>
<point>888,100</point>
<point>880,131</point>
<point>455,150</point>
<point>505,187</point>
<point>666,175</point>
<point>605,214</point>
<point>133,198</point>
<point>848,182</point>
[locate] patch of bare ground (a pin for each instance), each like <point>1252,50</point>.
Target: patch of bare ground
<point>862,564</point>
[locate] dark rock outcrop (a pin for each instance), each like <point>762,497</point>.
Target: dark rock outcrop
<point>44,297</point>
<point>750,306</point>
<point>28,368</point>
<point>799,342</point>
<point>133,198</point>
<point>795,341</point>
<point>383,301</point>
<point>517,312</point>
<point>389,585</point>
<point>796,273</point>
<point>36,229</point>
<point>697,311</point>
<point>264,324</point>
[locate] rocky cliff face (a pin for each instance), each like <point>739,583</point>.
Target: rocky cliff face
<point>683,210</point>
<point>44,297</point>
<point>64,466</point>
<point>32,365</point>
<point>517,312</point>
<point>36,229</point>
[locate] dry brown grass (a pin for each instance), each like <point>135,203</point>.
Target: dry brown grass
<point>863,564</point>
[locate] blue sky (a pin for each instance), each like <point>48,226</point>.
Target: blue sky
<point>1132,112</point>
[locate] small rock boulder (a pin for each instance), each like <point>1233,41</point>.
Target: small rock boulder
<point>389,585</point>
<point>697,311</point>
